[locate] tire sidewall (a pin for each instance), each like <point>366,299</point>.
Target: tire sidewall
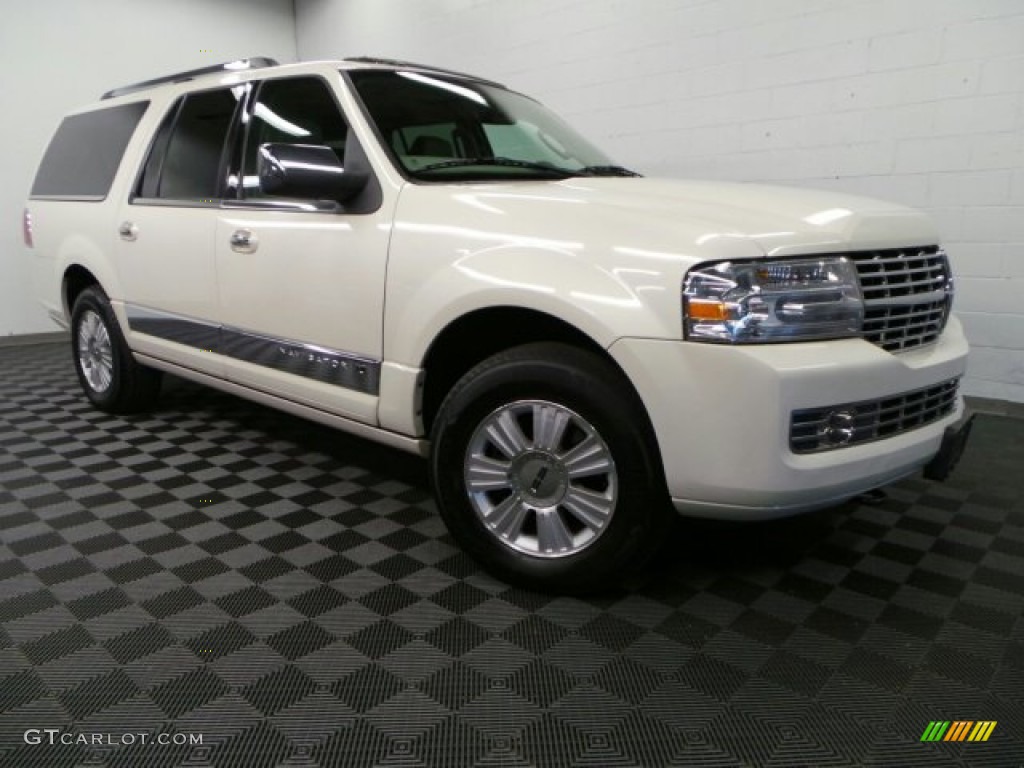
<point>600,400</point>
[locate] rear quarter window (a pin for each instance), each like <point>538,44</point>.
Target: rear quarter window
<point>84,154</point>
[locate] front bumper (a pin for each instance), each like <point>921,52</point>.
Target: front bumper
<point>721,415</point>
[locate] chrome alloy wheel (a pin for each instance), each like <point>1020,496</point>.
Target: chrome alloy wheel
<point>94,352</point>
<point>541,478</point>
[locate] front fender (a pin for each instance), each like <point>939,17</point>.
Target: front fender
<point>425,295</point>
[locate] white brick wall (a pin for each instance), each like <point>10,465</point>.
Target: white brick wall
<point>62,54</point>
<point>918,101</point>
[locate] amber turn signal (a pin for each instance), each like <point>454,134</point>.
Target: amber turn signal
<point>702,309</point>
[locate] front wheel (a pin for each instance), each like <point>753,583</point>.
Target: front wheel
<point>546,472</point>
<point>108,373</point>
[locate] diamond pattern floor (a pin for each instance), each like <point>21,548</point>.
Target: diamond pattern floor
<point>289,593</point>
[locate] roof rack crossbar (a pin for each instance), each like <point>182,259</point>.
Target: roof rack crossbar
<point>411,65</point>
<point>256,62</point>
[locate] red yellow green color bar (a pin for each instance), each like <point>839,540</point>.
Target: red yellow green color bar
<point>958,730</point>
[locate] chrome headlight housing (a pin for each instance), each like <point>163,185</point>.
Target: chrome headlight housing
<point>772,300</point>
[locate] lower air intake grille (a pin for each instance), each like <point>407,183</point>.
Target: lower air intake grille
<point>837,426</point>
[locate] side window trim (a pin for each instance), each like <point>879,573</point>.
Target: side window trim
<point>233,155</point>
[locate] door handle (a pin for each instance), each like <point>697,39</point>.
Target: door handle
<point>243,241</point>
<point>128,231</point>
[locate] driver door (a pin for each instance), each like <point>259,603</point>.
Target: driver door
<point>301,282</point>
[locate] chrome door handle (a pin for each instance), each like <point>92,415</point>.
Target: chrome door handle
<point>243,241</point>
<point>128,231</point>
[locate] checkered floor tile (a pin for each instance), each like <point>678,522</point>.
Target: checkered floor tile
<point>287,594</point>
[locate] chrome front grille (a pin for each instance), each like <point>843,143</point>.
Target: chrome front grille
<point>907,294</point>
<point>901,272</point>
<point>896,327</point>
<point>836,426</point>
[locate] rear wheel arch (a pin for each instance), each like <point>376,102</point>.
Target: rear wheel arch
<point>76,279</point>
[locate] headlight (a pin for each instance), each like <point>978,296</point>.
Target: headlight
<point>764,301</point>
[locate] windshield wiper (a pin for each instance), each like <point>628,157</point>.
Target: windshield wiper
<point>605,170</point>
<point>508,162</point>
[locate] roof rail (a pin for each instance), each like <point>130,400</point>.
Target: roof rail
<point>411,65</point>
<point>257,62</point>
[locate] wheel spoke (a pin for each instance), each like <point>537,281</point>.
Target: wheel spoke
<point>486,474</point>
<point>506,435</point>
<point>590,457</point>
<point>104,375</point>
<point>86,330</point>
<point>508,517</point>
<point>590,508</point>
<point>549,425</point>
<point>552,533</point>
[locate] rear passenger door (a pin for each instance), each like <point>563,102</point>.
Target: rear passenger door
<point>302,281</point>
<point>165,238</point>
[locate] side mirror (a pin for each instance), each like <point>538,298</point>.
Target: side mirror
<point>306,170</point>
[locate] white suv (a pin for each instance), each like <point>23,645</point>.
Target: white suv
<point>432,261</point>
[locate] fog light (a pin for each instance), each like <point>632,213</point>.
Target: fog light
<point>837,428</point>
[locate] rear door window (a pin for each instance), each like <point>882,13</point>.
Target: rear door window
<point>187,160</point>
<point>82,159</point>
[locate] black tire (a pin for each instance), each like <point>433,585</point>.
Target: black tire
<point>555,383</point>
<point>107,372</point>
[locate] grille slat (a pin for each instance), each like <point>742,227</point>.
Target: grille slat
<point>922,324</point>
<point>872,419</point>
<point>908,312</point>
<point>933,283</point>
<point>899,288</point>
<point>908,270</point>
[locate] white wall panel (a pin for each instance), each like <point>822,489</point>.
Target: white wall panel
<point>918,101</point>
<point>60,54</point>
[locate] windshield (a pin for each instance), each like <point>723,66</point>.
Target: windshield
<point>442,128</point>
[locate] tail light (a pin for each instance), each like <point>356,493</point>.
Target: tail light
<point>26,227</point>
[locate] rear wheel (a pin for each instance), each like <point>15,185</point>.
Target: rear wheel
<point>108,373</point>
<point>546,472</point>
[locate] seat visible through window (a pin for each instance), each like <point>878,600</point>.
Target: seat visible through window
<point>431,145</point>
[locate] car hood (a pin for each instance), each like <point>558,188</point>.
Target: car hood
<point>780,220</point>
<point>696,220</point>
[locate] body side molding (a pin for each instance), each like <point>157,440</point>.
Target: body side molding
<point>330,366</point>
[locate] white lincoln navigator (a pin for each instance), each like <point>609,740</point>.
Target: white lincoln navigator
<point>430,260</point>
